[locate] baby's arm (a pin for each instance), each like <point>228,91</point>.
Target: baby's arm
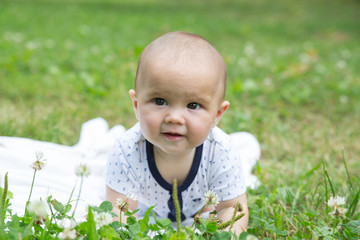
<point>225,211</point>
<point>112,195</point>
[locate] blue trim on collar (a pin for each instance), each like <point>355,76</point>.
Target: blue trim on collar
<point>167,186</point>
<point>160,180</point>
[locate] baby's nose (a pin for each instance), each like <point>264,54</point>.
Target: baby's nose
<point>175,116</point>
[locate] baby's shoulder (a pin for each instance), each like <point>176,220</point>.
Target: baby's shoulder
<point>130,139</point>
<point>218,144</point>
<point>219,138</point>
<point>219,151</point>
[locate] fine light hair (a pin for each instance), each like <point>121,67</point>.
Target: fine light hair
<point>180,46</point>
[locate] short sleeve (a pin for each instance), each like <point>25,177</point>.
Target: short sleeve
<point>123,169</point>
<point>226,175</point>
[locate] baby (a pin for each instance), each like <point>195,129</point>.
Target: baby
<point>178,101</point>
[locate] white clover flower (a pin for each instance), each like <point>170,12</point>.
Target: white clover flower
<point>14,37</point>
<point>38,165</point>
<point>131,196</point>
<point>102,219</point>
<point>31,45</point>
<point>122,205</point>
<point>338,211</point>
<point>68,232</point>
<point>341,64</point>
<point>249,50</point>
<point>211,198</point>
<point>40,161</point>
<point>39,155</point>
<point>82,170</point>
<point>119,202</point>
<point>344,99</point>
<point>67,223</point>
<point>251,237</point>
<point>336,201</point>
<point>38,208</point>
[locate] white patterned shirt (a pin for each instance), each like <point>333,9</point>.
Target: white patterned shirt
<point>216,166</point>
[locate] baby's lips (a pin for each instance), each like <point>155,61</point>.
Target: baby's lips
<point>173,136</point>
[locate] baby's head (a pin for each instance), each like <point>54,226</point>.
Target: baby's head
<point>179,91</point>
<point>187,53</point>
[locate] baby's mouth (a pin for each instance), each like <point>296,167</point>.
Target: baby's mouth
<point>173,136</point>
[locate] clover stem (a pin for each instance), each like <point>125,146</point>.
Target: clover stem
<point>226,224</point>
<point>72,192</point>
<point>78,198</point>
<point>31,189</point>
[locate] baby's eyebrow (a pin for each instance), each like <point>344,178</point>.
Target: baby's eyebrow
<point>198,99</point>
<point>155,93</point>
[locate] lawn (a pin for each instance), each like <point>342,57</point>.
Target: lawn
<point>293,81</point>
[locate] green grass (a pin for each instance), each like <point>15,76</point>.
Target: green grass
<point>293,81</point>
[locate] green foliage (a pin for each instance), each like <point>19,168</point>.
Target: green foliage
<point>91,227</point>
<point>99,223</point>
<point>295,213</point>
<point>314,217</point>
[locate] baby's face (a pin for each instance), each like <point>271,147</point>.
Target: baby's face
<point>178,104</point>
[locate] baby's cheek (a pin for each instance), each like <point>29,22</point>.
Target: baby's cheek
<point>150,123</point>
<point>200,132</point>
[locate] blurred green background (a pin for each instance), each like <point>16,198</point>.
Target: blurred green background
<point>293,70</point>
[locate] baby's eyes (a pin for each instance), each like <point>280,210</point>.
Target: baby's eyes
<point>160,101</point>
<point>193,106</point>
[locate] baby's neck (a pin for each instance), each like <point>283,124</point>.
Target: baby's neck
<point>173,166</point>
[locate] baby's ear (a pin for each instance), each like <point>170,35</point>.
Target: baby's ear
<point>222,108</point>
<point>135,102</point>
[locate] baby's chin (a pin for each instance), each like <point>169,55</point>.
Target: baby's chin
<point>174,148</point>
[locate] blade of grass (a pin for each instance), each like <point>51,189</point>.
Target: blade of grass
<point>310,172</point>
<point>328,179</point>
<point>347,171</point>
<point>3,201</point>
<point>91,226</point>
<point>353,205</point>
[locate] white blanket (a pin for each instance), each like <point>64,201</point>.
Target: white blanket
<point>58,177</point>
